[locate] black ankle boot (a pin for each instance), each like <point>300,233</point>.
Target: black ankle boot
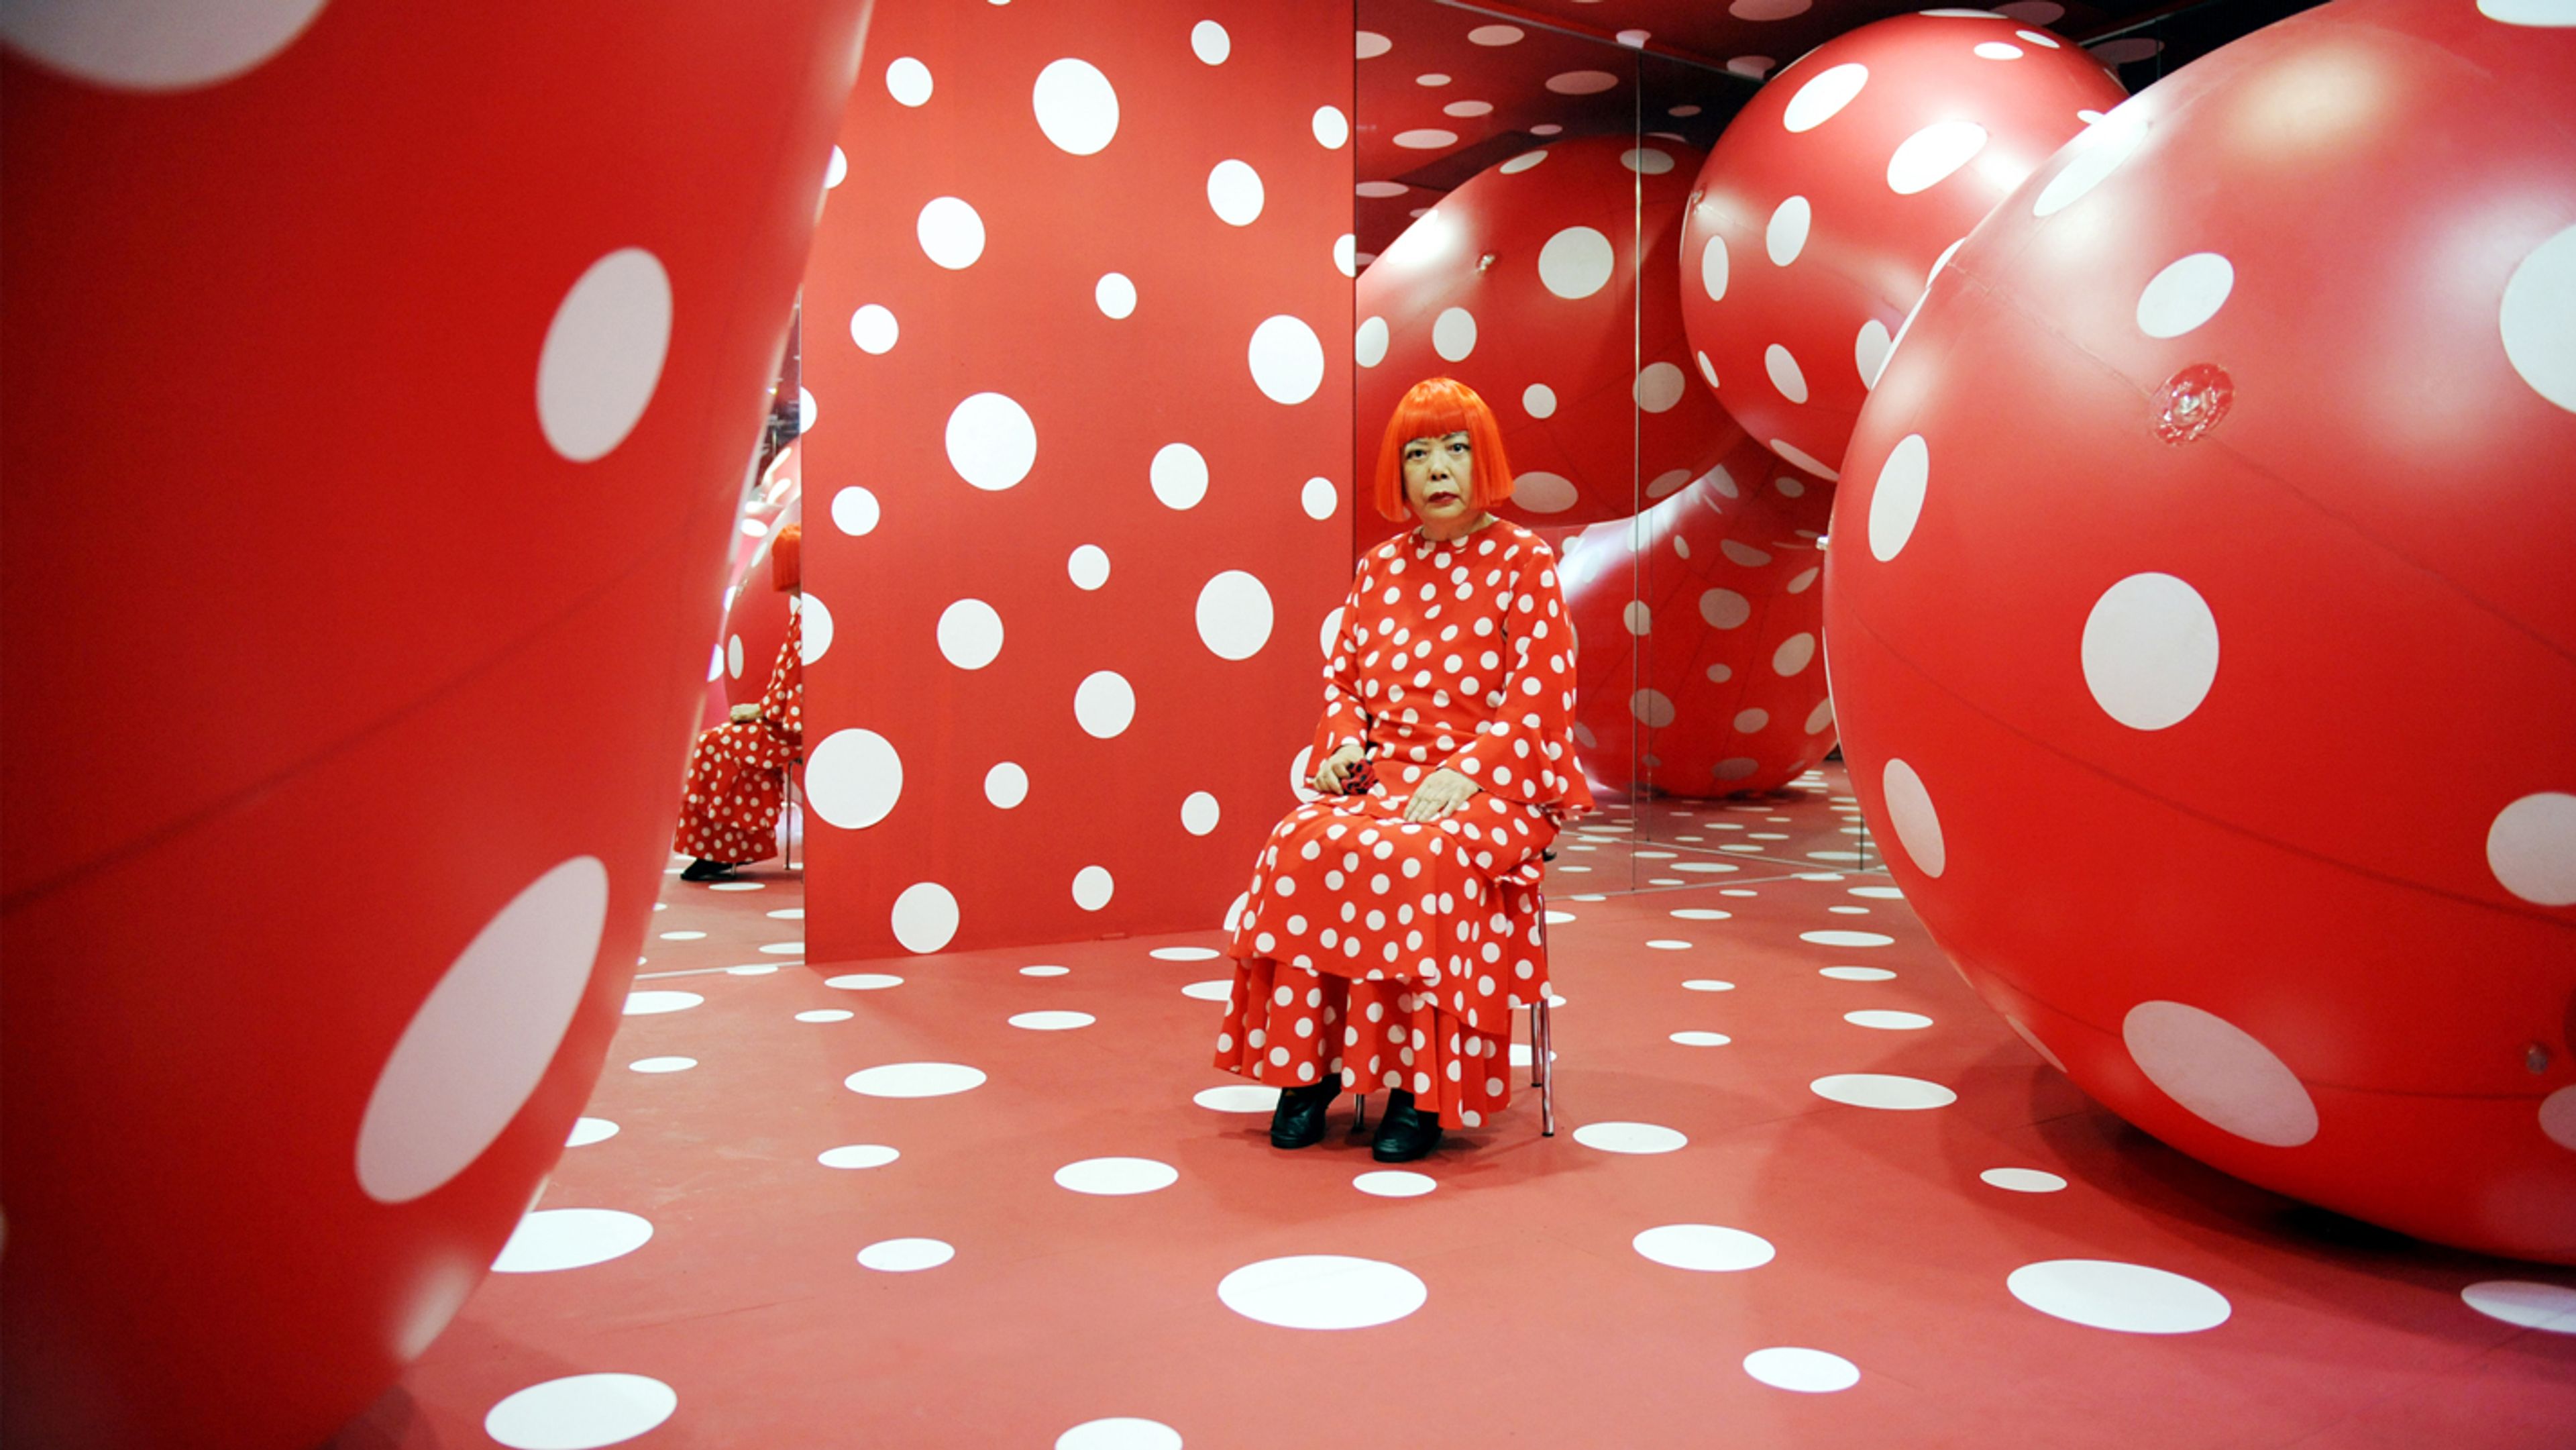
<point>1404,1134</point>
<point>703,869</point>
<point>1298,1121</point>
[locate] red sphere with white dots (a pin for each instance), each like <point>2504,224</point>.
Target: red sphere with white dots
<point>1826,202</point>
<point>1526,284</point>
<point>1701,673</point>
<point>2204,639</point>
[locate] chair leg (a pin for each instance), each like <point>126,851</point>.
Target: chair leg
<point>1543,1028</point>
<point>1359,1113</point>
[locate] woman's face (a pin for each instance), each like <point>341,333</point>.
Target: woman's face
<point>1438,473</point>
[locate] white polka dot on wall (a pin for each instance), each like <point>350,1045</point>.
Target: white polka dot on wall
<point>1199,813</point>
<point>1371,45</point>
<point>1332,128</point>
<point>1114,295</point>
<point>1785,236</point>
<point>1087,566</point>
<point>1234,193</point>
<point>874,329</point>
<point>970,634</point>
<point>951,232</point>
<point>1346,255</point>
<point>837,170</point>
<point>603,354</point>
<point>908,81</point>
<point>1104,704</point>
<point>1210,43</point>
<point>925,917</point>
<point>1006,785</point>
<point>1287,360</point>
<point>853,779</point>
<point>1076,107</point>
<point>1320,498</point>
<point>815,635</point>
<point>1093,887</point>
<point>1179,474</point>
<point>854,511</point>
<point>1234,615</point>
<point>1369,342</point>
<point>991,441</point>
<point>1453,334</point>
<point>476,1048</point>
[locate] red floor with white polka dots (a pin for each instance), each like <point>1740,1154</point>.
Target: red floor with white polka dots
<point>1805,1191</point>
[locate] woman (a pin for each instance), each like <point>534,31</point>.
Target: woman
<point>1393,924</point>
<point>738,770</point>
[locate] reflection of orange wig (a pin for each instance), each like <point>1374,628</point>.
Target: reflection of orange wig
<point>783,550</point>
<point>1435,408</point>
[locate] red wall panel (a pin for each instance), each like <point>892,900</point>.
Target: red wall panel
<point>909,715</point>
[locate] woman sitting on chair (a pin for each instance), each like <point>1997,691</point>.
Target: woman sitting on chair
<point>1394,924</point>
<point>738,770</point>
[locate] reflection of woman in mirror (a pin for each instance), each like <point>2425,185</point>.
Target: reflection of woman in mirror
<point>738,770</point>
<point>1394,923</point>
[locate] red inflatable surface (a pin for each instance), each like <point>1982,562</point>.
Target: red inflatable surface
<point>415,354</point>
<point>2202,621</point>
<point>1827,200</point>
<point>1701,670</point>
<point>1525,284</point>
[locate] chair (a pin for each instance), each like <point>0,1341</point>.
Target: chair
<point>1542,1031</point>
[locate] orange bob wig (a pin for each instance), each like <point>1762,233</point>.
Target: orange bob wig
<point>1436,408</point>
<point>784,548</point>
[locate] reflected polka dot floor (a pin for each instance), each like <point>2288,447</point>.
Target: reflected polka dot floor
<point>1810,1190</point>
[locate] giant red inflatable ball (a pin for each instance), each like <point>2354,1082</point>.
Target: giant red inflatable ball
<point>2204,636</point>
<point>1826,201</point>
<point>1701,669</point>
<point>1525,283</point>
<point>415,353</point>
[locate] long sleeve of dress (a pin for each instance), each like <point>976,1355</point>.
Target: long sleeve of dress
<point>1346,718</point>
<point>1526,752</point>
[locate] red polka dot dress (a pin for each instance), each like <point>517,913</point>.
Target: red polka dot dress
<point>1392,952</point>
<point>738,771</point>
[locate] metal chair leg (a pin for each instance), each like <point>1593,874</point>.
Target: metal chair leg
<point>1359,1113</point>
<point>1542,1051</point>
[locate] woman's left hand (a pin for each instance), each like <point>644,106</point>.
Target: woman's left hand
<point>1444,792</point>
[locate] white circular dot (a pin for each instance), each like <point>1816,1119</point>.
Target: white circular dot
<point>1795,653</point>
<point>2218,1072</point>
<point>837,170</point>
<point>662,1064</point>
<point>1823,96</point>
<point>1368,345</point>
<point>654,1004</point>
<point>1620,1137</point>
<point>874,329</point>
<point>1582,82</point>
<point>853,779</point>
<point>2524,1304</point>
<point>1701,1039</point>
<point>1005,785</point>
<point>1322,1291</point>
<point>854,510</point>
<point>2185,294</point>
<point>2106,1294</point>
<point>1087,566</point>
<point>1114,295</point>
<point>1210,43</point>
<point>603,354</point>
<point>571,1238</point>
<point>1199,813</point>
<point>2022,1180</point>
<point>1724,608</point>
<point>1051,1021</point>
<point>914,1080</point>
<point>1786,234</point>
<point>1235,1097</point>
<point>1453,334</point>
<point>1121,1432</point>
<point>1093,887</point>
<point>1646,160</point>
<point>1882,1090</point>
<point>1998,50</point>
<point>905,1256</point>
<point>1234,193</point>
<point>1346,255</point>
<point>1712,280</point>
<point>816,635</point>
<point>586,1131</point>
<point>2538,316</point>
<point>951,233</point>
<point>970,634</point>
<point>1116,1177</point>
<point>1660,385</point>
<point>1539,400</point>
<point>1320,498</point>
<point>1542,492</point>
<point>991,442</point>
<point>1332,128</point>
<point>1184,954</point>
<point>1652,708</point>
<point>480,1042</point>
<point>1910,811</point>
<point>1897,501</point>
<point>1784,372</point>
<point>2092,157</point>
<point>1870,350</point>
<point>1888,1021</point>
<point>1425,138</point>
<point>1705,1248</point>
<point>1179,474</point>
<point>1929,156</point>
<point>1847,938</point>
<point>857,1155</point>
<point>1522,162</point>
<point>925,917</point>
<point>1395,1183</point>
<point>908,81</point>
<point>1104,704</point>
<point>1373,45</point>
<point>826,1014</point>
<point>2558,1118</point>
<point>142,45</point>
<point>1857,974</point>
<point>863,982</point>
<point>581,1412</point>
<point>1076,106</point>
<point>1287,360</point>
<point>1495,35</point>
<point>1468,109</point>
<point>1576,262</point>
<point>1807,1371</point>
<point>2150,651</point>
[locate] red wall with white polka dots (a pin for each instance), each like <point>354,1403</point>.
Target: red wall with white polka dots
<point>1078,469</point>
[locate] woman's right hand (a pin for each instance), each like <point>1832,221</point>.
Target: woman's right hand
<point>1334,773</point>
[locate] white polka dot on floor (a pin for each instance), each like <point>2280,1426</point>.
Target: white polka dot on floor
<point>571,1238</point>
<point>826,1014</point>
<point>1213,990</point>
<point>1116,1177</point>
<point>857,1155</point>
<point>914,1080</point>
<point>1846,938</point>
<point>662,1064</point>
<point>1701,1039</point>
<point>580,1412</point>
<point>2107,1294</point>
<point>586,1131</point>
<point>1246,1097</point>
<point>1888,1021</point>
<point>1122,1432</point>
<point>1052,1021</point>
<point>753,969</point>
<point>1322,1291</point>
<point>1882,1090</point>
<point>905,1256</point>
<point>1619,1137</point>
<point>2023,1180</point>
<point>1708,984</point>
<point>863,981</point>
<point>1857,974</point>
<point>1044,971</point>
<point>1807,1371</point>
<point>2524,1303</point>
<point>1184,954</point>
<point>1704,1247</point>
<point>1395,1183</point>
